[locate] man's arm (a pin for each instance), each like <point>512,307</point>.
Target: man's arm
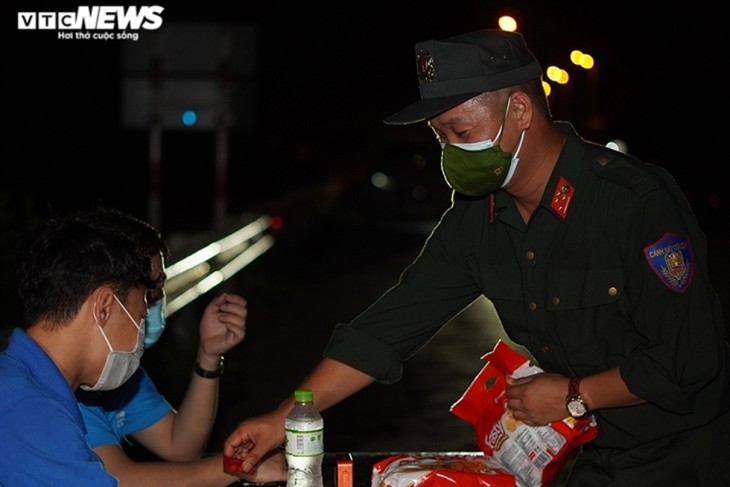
<point>204,472</point>
<point>184,435</point>
<point>540,399</point>
<point>331,381</point>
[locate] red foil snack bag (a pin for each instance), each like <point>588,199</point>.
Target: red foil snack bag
<point>440,470</point>
<point>534,454</point>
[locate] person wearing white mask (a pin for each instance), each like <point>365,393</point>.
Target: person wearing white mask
<point>119,365</point>
<point>83,295</point>
<point>136,414</point>
<point>594,262</point>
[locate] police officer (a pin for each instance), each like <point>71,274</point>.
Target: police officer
<point>593,259</point>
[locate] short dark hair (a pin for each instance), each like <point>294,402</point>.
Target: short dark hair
<point>532,88</point>
<point>60,263</point>
<point>145,237</point>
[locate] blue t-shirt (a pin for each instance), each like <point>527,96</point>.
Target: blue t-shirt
<point>112,415</point>
<point>42,435</point>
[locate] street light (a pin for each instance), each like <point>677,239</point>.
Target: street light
<point>507,23</point>
<point>587,62</point>
<point>582,59</point>
<point>557,75</point>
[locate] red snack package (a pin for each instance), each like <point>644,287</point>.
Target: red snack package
<point>440,470</point>
<point>534,454</point>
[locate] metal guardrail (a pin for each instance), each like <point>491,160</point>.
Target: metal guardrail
<point>194,275</point>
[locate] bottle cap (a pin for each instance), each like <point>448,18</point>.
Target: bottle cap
<point>303,395</point>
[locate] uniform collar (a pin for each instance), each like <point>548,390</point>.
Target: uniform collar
<point>570,172</point>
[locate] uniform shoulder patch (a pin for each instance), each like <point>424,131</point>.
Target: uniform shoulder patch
<point>671,259</point>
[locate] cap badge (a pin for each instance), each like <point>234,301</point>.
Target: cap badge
<point>425,66</point>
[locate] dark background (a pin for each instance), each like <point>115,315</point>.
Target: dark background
<point>325,78</point>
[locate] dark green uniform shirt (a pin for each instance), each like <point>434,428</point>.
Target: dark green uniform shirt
<point>610,271</point>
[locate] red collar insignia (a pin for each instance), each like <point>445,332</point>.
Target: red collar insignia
<point>562,195</point>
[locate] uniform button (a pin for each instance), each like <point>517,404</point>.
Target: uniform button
<point>545,349</point>
<point>530,255</point>
<point>612,291</point>
<point>556,300</point>
<point>532,306</point>
<point>603,160</point>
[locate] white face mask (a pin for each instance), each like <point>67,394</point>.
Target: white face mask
<point>119,365</point>
<point>476,146</point>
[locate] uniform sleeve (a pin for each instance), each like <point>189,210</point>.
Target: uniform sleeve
<point>133,407</point>
<point>44,445</point>
<point>433,289</point>
<point>672,306</point>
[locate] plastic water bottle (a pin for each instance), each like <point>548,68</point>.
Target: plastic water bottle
<point>304,442</point>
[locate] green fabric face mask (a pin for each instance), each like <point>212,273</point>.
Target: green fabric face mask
<point>475,172</point>
<point>479,168</point>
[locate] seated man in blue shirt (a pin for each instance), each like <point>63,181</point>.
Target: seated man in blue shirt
<point>83,295</point>
<point>138,411</point>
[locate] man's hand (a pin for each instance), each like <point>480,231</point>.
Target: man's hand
<point>539,399</point>
<point>255,438</point>
<point>223,325</point>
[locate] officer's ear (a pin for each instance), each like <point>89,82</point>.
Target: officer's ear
<point>522,109</point>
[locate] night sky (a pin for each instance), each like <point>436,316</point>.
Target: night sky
<point>324,78</point>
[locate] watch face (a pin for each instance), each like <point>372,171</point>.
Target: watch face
<point>576,408</point>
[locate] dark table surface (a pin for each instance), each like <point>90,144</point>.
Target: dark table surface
<point>362,465</point>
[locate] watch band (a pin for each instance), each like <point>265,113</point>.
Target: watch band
<point>208,374</point>
<point>574,387</point>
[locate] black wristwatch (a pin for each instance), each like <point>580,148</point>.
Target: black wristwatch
<point>577,408</point>
<point>209,374</point>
